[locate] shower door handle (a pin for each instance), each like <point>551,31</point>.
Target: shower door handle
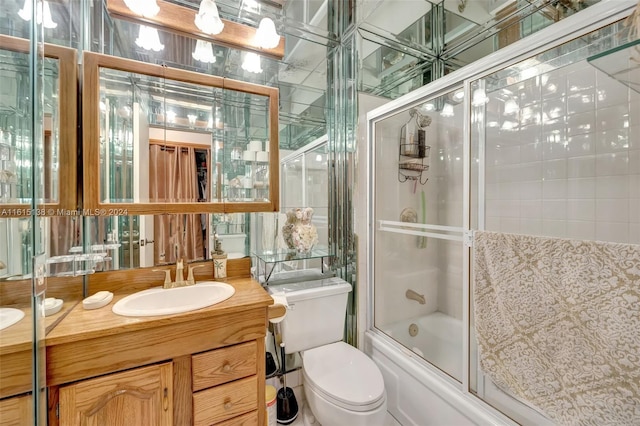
<point>144,241</point>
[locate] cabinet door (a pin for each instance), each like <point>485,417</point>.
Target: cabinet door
<point>16,411</point>
<point>137,397</point>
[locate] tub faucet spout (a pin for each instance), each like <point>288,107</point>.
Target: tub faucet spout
<point>410,294</point>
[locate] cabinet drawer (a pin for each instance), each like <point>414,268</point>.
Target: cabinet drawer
<point>224,365</point>
<point>225,402</point>
<point>249,419</point>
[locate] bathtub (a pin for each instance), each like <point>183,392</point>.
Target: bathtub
<point>438,340</point>
<point>417,392</point>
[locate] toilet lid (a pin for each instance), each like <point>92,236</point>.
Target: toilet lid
<point>344,375</point>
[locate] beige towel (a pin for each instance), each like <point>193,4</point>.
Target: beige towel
<point>558,324</point>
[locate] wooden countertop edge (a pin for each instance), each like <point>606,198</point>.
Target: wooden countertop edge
<point>70,329</point>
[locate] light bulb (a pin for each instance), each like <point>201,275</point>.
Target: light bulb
<point>479,97</point>
<point>149,39</point>
<point>171,116</point>
<point>251,63</point>
<point>204,52</point>
<point>511,107</point>
<point>146,8</point>
<point>447,110</point>
<point>266,36</point>
<point>208,20</point>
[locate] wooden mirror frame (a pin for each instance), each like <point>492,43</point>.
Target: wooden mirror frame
<point>67,107</point>
<point>92,205</point>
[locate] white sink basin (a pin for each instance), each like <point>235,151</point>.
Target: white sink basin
<point>9,316</point>
<point>159,301</point>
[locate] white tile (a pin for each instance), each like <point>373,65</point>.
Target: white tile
<point>531,152</point>
<point>581,230</point>
<point>634,110</point>
<point>581,210</point>
<point>612,118</point>
<point>531,209</point>
<point>610,92</point>
<point>612,231</point>
<point>579,102</point>
<point>634,137</point>
<point>612,164</point>
<point>579,145</point>
<point>531,226</point>
<point>531,190</point>
<point>554,189</point>
<point>554,228</point>
<point>634,210</point>
<point>581,188</point>
<point>612,187</point>
<point>581,79</point>
<point>492,223</point>
<point>555,169</point>
<point>578,167</point>
<point>612,141</point>
<point>634,161</point>
<point>531,134</point>
<point>510,224</point>
<point>583,122</point>
<point>527,172</point>
<point>634,185</point>
<point>634,233</point>
<point>554,148</point>
<point>556,84</point>
<point>554,210</point>
<point>612,210</point>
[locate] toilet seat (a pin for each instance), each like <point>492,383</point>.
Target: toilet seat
<point>344,376</point>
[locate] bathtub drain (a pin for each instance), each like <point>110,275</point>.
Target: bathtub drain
<point>413,330</point>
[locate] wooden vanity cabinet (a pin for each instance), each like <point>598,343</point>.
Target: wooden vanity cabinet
<point>142,396</point>
<point>16,411</point>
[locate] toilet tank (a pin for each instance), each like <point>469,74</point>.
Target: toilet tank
<point>316,312</point>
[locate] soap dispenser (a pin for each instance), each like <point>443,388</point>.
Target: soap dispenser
<point>219,258</point>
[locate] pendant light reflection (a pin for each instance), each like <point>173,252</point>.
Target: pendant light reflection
<point>146,8</point>
<point>266,36</point>
<point>208,19</point>
<point>43,13</point>
<point>479,97</point>
<point>204,52</point>
<point>251,63</point>
<point>447,110</point>
<point>149,39</point>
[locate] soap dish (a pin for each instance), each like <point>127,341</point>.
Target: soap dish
<point>98,300</point>
<point>52,306</point>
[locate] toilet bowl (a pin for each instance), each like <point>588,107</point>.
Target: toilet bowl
<point>343,386</point>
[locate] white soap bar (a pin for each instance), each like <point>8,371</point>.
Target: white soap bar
<point>52,306</point>
<point>98,300</point>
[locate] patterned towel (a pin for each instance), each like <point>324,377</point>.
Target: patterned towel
<point>558,324</point>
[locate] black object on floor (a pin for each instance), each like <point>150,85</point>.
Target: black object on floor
<point>287,406</point>
<point>271,365</point>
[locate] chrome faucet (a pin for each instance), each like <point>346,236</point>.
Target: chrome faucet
<point>410,294</point>
<point>179,281</point>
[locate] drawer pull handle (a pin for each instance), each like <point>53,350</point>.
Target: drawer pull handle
<point>226,368</point>
<point>165,400</point>
<point>228,405</point>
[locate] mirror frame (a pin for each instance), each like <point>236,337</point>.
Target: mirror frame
<point>92,205</point>
<point>67,99</point>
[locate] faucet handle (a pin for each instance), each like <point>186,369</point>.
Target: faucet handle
<point>167,277</point>
<point>190,278</point>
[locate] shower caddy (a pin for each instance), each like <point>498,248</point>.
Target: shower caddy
<point>413,153</point>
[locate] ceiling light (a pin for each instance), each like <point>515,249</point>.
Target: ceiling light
<point>251,63</point>
<point>447,110</point>
<point>204,52</point>
<point>146,8</point>
<point>43,13</point>
<point>149,39</point>
<point>266,36</point>
<point>208,20</point>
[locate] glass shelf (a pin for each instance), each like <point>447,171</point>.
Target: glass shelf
<point>278,256</point>
<point>621,63</point>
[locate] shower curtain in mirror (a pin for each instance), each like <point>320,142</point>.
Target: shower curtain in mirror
<point>173,178</point>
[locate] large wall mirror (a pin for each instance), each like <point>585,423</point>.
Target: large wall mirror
<point>158,140</point>
<point>60,112</point>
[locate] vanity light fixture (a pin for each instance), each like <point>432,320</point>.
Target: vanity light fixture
<point>43,13</point>
<point>204,52</point>
<point>511,107</point>
<point>458,96</point>
<point>149,39</point>
<point>146,8</point>
<point>479,97</point>
<point>251,63</point>
<point>192,118</point>
<point>208,19</point>
<point>266,36</point>
<point>171,116</point>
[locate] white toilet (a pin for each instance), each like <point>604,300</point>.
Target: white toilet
<point>342,385</point>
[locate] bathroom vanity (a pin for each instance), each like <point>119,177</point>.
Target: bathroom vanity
<point>201,367</point>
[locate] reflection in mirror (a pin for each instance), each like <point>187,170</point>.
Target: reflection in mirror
<point>59,129</point>
<point>125,242</point>
<point>174,141</point>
